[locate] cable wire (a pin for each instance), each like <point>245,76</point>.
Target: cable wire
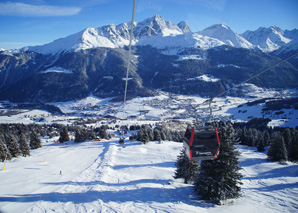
<point>129,53</point>
<point>237,85</point>
<point>209,101</point>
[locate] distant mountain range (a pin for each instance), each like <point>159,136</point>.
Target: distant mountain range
<point>165,56</point>
<point>161,34</point>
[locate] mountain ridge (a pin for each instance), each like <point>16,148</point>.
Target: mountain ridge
<point>117,36</point>
<point>267,39</point>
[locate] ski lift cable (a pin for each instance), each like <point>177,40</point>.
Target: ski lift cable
<point>121,140</point>
<point>129,53</point>
<point>209,101</point>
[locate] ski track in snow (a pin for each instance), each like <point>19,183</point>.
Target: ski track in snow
<point>270,184</point>
<point>106,187</point>
<point>108,177</point>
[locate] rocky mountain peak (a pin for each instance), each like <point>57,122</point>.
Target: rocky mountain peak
<point>184,27</point>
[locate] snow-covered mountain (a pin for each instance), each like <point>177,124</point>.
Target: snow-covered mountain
<point>226,35</point>
<point>267,39</point>
<point>161,34</point>
<point>112,36</point>
<point>165,57</point>
<point>85,39</point>
<point>1,49</point>
<point>154,31</point>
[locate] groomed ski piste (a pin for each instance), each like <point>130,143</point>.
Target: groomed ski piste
<point>103,176</point>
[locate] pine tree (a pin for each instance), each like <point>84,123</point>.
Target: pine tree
<point>64,136</point>
<point>4,153</point>
<point>80,134</point>
<point>251,137</point>
<point>35,141</point>
<point>243,137</point>
<point>13,146</point>
<point>140,134</point>
<point>185,168</point>
<point>25,149</point>
<point>293,148</point>
<point>157,136</point>
<point>287,137</point>
<point>260,146</point>
<point>220,179</point>
<point>150,134</point>
<point>91,134</point>
<point>145,138</point>
<point>104,134</point>
<point>266,138</point>
<point>277,150</point>
<point>163,135</point>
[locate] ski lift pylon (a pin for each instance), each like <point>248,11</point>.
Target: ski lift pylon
<point>201,143</point>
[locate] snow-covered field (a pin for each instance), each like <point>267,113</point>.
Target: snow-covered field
<point>107,177</point>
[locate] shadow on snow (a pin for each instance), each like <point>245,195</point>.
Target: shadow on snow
<point>140,195</point>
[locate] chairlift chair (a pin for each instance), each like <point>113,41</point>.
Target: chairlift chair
<point>201,143</point>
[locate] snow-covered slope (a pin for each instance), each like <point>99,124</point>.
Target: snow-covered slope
<point>106,177</point>
<point>226,35</point>
<point>175,43</point>
<point>267,39</point>
<point>85,39</point>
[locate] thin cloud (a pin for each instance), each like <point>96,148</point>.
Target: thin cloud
<point>21,9</point>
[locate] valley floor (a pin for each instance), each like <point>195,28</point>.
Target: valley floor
<point>162,107</point>
<point>107,177</point>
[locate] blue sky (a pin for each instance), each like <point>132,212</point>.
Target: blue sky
<point>33,22</point>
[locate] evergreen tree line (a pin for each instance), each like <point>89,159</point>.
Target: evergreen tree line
<point>214,180</point>
<point>82,134</point>
<point>282,143</point>
<point>148,133</point>
<point>17,139</point>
